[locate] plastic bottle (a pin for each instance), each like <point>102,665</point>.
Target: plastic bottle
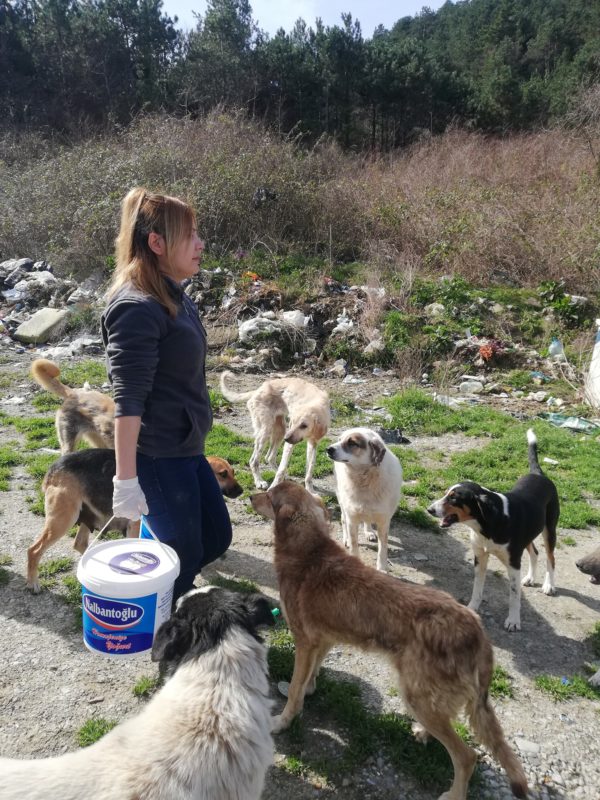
<point>556,350</point>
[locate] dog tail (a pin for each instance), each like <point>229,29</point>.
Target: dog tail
<point>229,394</point>
<point>532,453</point>
<point>489,732</point>
<point>46,374</point>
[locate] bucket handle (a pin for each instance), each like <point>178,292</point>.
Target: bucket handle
<point>150,531</point>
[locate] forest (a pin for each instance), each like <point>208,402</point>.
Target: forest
<point>495,66</point>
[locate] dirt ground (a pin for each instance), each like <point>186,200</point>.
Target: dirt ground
<point>50,685</point>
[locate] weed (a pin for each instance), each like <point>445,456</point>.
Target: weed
<point>568,540</point>
<point>72,595</point>
<point>94,372</point>
<point>5,560</point>
<point>294,766</point>
<point>566,688</point>
<point>280,654</point>
<point>234,584</point>
<point>9,458</point>
<point>501,685</point>
<point>94,729</point>
<point>48,569</point>
<point>39,431</point>
<point>146,686</point>
<point>4,576</point>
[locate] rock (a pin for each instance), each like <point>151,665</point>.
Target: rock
<point>41,326</point>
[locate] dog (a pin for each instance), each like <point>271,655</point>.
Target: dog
<point>283,409</point>
<point>78,489</point>
<point>590,565</point>
<point>443,658</point>
<point>506,525</point>
<point>84,414</point>
<point>205,735</point>
<point>368,480</point>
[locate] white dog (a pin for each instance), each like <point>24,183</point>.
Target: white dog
<point>206,735</point>
<point>289,409</point>
<point>368,483</point>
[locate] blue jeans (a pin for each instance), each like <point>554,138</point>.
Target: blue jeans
<point>186,511</point>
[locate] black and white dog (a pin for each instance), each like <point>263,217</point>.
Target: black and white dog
<point>506,525</point>
<point>205,735</point>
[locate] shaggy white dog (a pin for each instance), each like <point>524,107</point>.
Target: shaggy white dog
<point>205,735</point>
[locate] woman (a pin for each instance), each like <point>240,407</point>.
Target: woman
<point>156,350</point>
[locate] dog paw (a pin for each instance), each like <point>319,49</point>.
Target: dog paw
<point>279,723</point>
<point>262,485</point>
<point>548,589</point>
<point>34,586</point>
<point>420,733</point>
<point>474,606</point>
<point>595,680</point>
<point>371,537</point>
<point>527,581</point>
<point>512,624</point>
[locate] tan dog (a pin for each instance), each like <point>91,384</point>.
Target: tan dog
<point>78,489</point>
<point>443,657</point>
<point>84,414</point>
<point>283,409</point>
<point>368,483</point>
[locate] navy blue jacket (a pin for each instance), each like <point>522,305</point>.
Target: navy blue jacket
<point>157,368</point>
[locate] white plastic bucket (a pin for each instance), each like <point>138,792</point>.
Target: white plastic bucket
<point>127,591</point>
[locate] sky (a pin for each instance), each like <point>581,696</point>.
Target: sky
<point>274,14</point>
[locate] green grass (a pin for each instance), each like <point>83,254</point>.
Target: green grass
<point>217,400</point>
<point>9,458</point>
<point>565,688</point>
<point>5,560</point>
<point>37,465</point>
<point>146,686</point>
<point>344,410</point>
<point>294,766</point>
<point>502,684</point>
<point>38,431</point>
<point>72,594</point>
<point>234,584</point>
<point>89,370</point>
<point>44,401</point>
<point>50,568</point>
<point>94,729</point>
<point>503,460</point>
<point>417,517</point>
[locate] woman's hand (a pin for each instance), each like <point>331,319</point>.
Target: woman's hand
<point>128,499</point>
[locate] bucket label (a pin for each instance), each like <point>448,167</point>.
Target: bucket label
<point>113,614</point>
<point>134,563</point>
<point>118,626</point>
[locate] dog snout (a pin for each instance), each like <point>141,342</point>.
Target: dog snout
<point>433,510</point>
<point>331,451</point>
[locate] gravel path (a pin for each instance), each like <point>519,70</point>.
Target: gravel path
<point>50,685</point>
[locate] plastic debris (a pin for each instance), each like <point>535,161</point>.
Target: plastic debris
<point>579,424</point>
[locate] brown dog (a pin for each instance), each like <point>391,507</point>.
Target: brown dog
<point>84,414</point>
<point>78,489</point>
<point>443,657</point>
<point>590,565</point>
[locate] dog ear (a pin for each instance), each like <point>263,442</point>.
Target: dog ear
<point>377,449</point>
<point>260,610</point>
<point>172,640</point>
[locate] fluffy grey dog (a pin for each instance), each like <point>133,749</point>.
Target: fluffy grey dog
<point>205,735</point>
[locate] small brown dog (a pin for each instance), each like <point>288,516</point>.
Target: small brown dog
<point>84,414</point>
<point>443,657</point>
<point>78,489</point>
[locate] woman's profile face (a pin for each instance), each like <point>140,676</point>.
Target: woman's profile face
<point>185,257</point>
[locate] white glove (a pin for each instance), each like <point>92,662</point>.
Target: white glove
<point>128,499</point>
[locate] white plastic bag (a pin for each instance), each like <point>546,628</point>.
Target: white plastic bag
<point>592,383</point>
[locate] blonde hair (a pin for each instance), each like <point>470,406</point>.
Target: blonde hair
<point>143,213</point>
